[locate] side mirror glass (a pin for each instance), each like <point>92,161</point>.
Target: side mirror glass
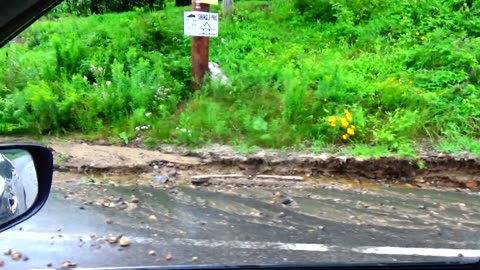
<point>25,180</point>
<point>18,183</point>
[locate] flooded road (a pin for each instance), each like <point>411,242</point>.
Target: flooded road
<point>171,225</point>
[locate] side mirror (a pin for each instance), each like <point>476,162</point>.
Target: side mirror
<point>25,179</point>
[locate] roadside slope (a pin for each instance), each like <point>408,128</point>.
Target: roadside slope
<point>437,170</point>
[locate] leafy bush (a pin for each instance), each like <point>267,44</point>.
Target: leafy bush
<point>404,73</point>
<point>86,7</point>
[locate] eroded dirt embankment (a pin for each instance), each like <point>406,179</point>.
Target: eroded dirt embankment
<point>437,170</point>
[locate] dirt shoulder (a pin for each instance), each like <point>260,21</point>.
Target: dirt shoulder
<point>221,164</point>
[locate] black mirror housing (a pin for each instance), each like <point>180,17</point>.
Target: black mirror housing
<point>43,162</point>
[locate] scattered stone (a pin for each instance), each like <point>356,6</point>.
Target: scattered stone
<point>135,200</point>
<point>170,164</point>
<point>172,173</point>
<point>93,236</point>
<point>112,239</point>
<point>155,167</point>
<point>25,258</point>
<point>68,264</point>
<point>82,208</point>
<point>286,201</point>
<point>124,241</point>
<point>7,252</point>
<point>422,207</point>
<point>109,205</point>
<point>152,218</point>
<point>471,184</point>
<point>49,265</point>
<point>160,179</point>
<point>194,259</point>
<point>278,194</point>
<point>2,263</point>
<point>109,221</point>
<point>322,228</point>
<point>168,257</point>
<point>152,253</point>
<point>281,215</point>
<point>16,255</point>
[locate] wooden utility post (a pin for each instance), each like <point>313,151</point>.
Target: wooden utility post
<point>199,52</point>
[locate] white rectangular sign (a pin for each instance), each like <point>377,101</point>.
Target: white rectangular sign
<point>200,24</point>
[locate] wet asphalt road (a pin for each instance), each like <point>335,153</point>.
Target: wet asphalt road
<point>245,226</point>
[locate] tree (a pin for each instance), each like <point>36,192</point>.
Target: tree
<point>182,3</point>
<point>227,8</point>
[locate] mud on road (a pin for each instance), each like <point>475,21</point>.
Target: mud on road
<point>222,165</point>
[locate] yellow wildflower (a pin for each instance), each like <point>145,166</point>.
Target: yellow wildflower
<point>332,121</point>
<point>391,80</point>
<point>343,122</point>
<point>352,127</point>
<point>423,38</point>
<point>417,34</point>
<point>348,115</point>
<point>325,99</point>
<point>345,137</point>
<point>351,131</point>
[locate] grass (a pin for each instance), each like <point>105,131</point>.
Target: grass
<point>373,77</point>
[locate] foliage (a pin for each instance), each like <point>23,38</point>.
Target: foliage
<point>87,7</point>
<point>376,74</point>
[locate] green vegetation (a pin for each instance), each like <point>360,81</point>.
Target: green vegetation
<point>370,76</point>
<point>88,7</point>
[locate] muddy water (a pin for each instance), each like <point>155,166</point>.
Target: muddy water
<point>182,208</point>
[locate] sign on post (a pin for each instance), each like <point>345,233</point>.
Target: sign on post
<point>200,24</point>
<point>210,2</point>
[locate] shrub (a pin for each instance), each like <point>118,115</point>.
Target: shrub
<point>86,7</point>
<point>402,72</point>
